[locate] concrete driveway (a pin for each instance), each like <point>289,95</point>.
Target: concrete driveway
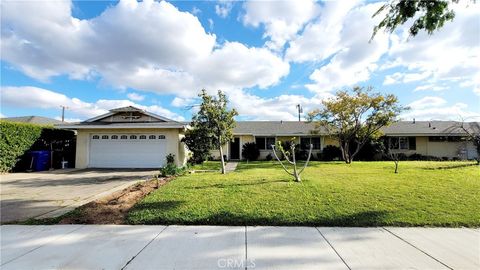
<point>219,247</point>
<point>50,194</point>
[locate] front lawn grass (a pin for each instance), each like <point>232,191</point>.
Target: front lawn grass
<point>331,194</point>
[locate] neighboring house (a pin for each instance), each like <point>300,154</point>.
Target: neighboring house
<point>432,138</point>
<point>429,138</point>
<point>266,133</point>
<point>133,138</point>
<point>128,137</point>
<point>40,120</point>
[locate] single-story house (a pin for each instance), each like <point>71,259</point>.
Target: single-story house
<point>134,138</point>
<point>128,137</point>
<point>33,119</point>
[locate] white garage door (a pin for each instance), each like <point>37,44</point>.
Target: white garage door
<point>127,150</point>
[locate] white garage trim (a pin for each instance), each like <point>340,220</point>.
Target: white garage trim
<point>127,150</point>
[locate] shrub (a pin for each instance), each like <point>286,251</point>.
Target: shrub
<point>423,157</point>
<point>268,157</point>
<point>331,152</point>
<point>170,169</point>
<point>370,150</point>
<point>250,151</point>
<point>15,140</point>
<point>300,154</point>
<point>170,158</point>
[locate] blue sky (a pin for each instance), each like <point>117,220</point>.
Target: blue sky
<point>267,56</point>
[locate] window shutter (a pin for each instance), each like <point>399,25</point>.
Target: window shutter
<point>412,143</point>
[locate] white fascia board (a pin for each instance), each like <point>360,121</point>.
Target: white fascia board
<point>118,127</point>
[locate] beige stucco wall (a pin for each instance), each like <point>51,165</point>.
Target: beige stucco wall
<point>462,150</point>
<point>264,153</point>
<point>172,136</point>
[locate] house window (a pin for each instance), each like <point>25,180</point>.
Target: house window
<point>264,143</point>
<point>306,141</point>
<point>143,137</point>
<point>445,138</point>
<point>114,137</point>
<point>124,137</point>
<point>96,137</point>
<point>104,137</point>
<point>152,137</point>
<point>161,137</point>
<point>402,143</point>
<point>133,137</point>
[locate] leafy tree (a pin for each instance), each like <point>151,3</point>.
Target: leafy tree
<point>199,142</point>
<point>215,121</point>
<point>356,118</point>
<point>429,15</point>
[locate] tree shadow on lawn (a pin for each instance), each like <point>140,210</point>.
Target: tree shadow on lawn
<point>447,167</point>
<point>360,219</point>
<point>225,185</point>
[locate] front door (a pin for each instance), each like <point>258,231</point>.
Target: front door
<point>235,148</point>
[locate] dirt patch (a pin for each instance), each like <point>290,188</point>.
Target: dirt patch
<point>113,209</point>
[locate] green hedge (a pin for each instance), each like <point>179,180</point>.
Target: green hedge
<point>15,140</point>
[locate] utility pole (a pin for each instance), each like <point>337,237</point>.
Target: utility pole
<point>300,111</point>
<point>63,112</point>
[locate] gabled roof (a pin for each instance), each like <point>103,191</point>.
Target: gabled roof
<point>431,128</point>
<point>276,128</point>
<point>33,119</point>
<point>95,123</point>
<point>129,109</point>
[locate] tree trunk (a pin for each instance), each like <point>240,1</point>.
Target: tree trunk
<point>221,158</point>
<point>345,152</point>
<point>295,173</point>
<point>396,166</point>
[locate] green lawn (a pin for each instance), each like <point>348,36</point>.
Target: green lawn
<point>332,193</point>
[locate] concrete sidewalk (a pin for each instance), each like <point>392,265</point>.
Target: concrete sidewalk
<point>212,247</point>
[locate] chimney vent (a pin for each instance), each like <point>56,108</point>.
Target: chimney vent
<point>281,121</point>
<point>429,124</point>
<point>414,120</point>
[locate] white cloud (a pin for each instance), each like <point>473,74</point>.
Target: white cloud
<point>135,96</point>
<point>399,77</point>
<point>68,120</point>
<point>321,38</point>
<point>282,107</point>
<point>450,54</point>
<point>427,102</point>
<point>281,19</point>
<point>210,24</point>
<point>477,91</point>
<point>196,10</point>
<point>354,57</point>
<point>431,87</point>
<point>223,8</point>
<point>39,98</point>
<point>182,102</point>
<point>167,51</point>
<point>433,108</point>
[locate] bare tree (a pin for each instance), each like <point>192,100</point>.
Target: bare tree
<point>387,150</point>
<point>296,172</point>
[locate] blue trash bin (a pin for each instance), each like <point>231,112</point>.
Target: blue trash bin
<point>41,160</point>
